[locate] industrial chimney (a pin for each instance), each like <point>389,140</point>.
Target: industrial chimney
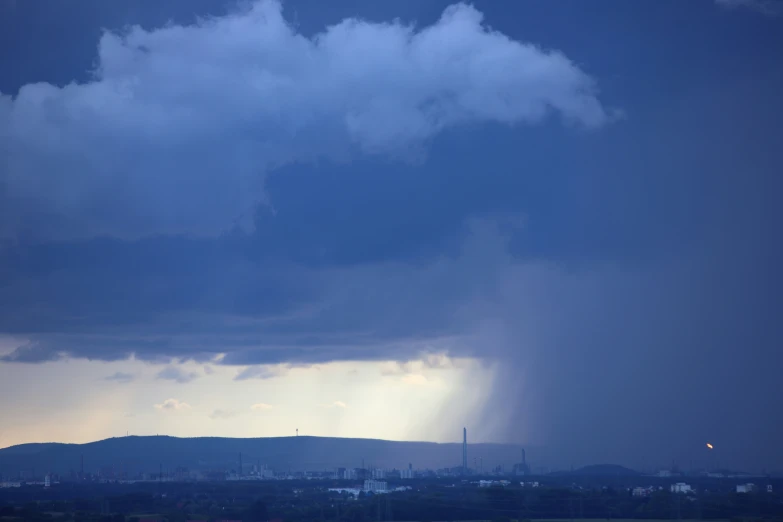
<point>464,451</point>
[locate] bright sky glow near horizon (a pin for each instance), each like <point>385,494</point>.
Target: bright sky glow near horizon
<point>332,399</point>
<point>553,223</point>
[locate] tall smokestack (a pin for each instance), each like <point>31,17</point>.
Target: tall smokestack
<point>464,451</point>
<point>523,456</point>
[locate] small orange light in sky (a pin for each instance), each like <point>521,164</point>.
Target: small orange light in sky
<point>709,445</point>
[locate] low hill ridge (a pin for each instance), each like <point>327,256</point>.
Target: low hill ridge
<point>136,454</point>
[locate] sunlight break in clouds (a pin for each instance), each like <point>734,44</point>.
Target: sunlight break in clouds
<point>268,408</point>
<point>180,124</point>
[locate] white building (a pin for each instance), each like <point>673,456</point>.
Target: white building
<point>375,486</point>
<point>642,492</point>
<point>746,488</point>
<point>406,473</point>
<point>681,487</point>
<point>352,491</point>
<point>350,474</point>
<point>47,481</point>
<point>490,483</point>
<point>379,474</point>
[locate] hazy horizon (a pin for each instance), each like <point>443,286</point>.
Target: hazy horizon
<point>509,455</point>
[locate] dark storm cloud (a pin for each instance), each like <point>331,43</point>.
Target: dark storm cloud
<point>623,282</point>
<point>43,348</point>
<point>115,282</point>
<point>766,7</point>
<point>365,312</point>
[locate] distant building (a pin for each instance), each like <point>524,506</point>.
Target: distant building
<point>375,486</point>
<point>493,483</point>
<point>378,473</point>
<point>681,487</point>
<point>769,488</point>
<point>641,492</point>
<point>350,474</point>
<point>746,488</point>
<point>351,491</point>
<point>406,474</point>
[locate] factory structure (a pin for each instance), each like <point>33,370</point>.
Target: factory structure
<point>374,478</point>
<point>520,468</point>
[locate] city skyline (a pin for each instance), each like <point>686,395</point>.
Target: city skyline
<point>145,458</point>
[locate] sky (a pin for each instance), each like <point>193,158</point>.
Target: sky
<point>553,223</point>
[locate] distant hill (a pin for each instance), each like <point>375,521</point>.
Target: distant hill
<point>601,470</point>
<point>146,454</point>
<point>27,449</point>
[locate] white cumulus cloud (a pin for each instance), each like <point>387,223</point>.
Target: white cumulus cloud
<point>180,124</point>
<point>172,405</point>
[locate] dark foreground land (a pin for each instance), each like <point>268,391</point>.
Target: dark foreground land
<point>426,501</point>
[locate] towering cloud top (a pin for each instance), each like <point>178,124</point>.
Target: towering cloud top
<point>180,124</point>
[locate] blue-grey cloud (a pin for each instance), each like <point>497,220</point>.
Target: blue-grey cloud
<point>173,373</point>
<point>33,352</point>
<point>260,372</point>
<point>180,125</point>
<point>120,377</point>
